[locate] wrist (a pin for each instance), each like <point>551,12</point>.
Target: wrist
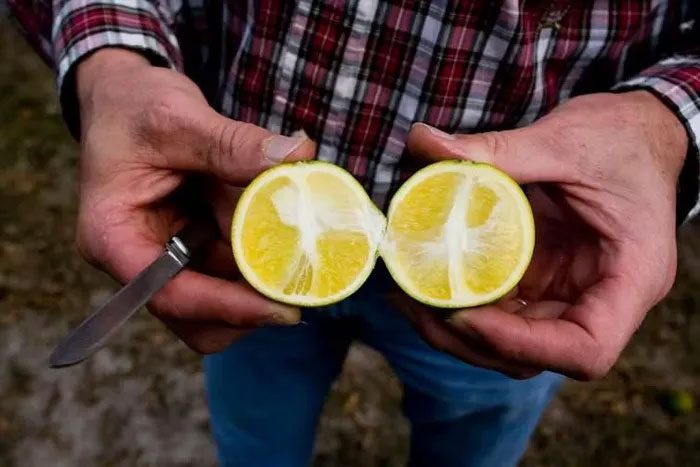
<point>667,136</point>
<point>103,64</point>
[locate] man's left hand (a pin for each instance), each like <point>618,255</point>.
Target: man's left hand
<point>601,173</point>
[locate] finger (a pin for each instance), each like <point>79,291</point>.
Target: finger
<point>582,343</point>
<point>546,309</point>
<point>439,335</point>
<point>195,296</point>
<point>561,266</point>
<point>223,199</point>
<point>232,151</point>
<point>512,305</point>
<point>236,152</point>
<point>216,260</point>
<point>191,295</point>
<point>205,338</point>
<point>527,154</point>
<point>565,260</point>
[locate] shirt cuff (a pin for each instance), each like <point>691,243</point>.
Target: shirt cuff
<point>676,82</point>
<point>81,27</point>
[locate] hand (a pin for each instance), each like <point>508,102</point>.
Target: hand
<point>147,133</point>
<point>602,172</point>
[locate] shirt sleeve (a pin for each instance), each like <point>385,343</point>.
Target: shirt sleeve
<point>676,82</point>
<point>67,31</point>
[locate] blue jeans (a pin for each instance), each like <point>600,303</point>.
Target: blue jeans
<point>266,391</point>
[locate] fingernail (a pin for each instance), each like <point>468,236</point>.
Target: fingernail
<point>277,148</point>
<point>461,323</point>
<point>435,131</point>
<point>281,315</point>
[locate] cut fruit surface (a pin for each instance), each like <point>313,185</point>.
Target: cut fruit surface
<point>459,234</point>
<point>306,233</point>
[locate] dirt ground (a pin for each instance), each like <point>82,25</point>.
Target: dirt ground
<point>140,401</point>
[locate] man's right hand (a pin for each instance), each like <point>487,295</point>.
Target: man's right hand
<point>145,132</point>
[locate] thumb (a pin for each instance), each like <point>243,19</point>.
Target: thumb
<point>526,154</point>
<point>234,151</point>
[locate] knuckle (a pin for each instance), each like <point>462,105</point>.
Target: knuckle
<point>434,338</point>
<point>166,305</point>
<point>496,145</point>
<point>161,116</point>
<point>655,277</point>
<point>219,140</point>
<point>671,269</point>
<point>90,242</point>
<point>236,137</point>
<point>668,284</point>
<point>597,366</point>
<point>85,250</point>
<point>226,142</point>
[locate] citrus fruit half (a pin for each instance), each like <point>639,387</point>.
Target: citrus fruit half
<point>306,234</point>
<point>459,234</point>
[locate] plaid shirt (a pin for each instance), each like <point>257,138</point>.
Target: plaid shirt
<point>356,74</point>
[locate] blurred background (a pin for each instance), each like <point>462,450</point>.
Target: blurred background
<point>140,402</point>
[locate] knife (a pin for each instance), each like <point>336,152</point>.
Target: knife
<point>92,333</point>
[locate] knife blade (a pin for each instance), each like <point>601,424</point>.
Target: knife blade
<point>94,332</point>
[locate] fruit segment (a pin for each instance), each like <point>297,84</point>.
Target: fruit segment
<point>268,244</point>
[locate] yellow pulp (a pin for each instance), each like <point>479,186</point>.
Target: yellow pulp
<point>308,235</point>
<point>459,234</point>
